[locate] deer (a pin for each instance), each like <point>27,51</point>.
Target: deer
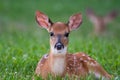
<point>58,61</point>
<point>100,22</point>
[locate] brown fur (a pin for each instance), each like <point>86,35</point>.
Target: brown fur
<point>78,64</point>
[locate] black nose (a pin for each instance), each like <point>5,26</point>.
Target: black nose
<point>59,46</point>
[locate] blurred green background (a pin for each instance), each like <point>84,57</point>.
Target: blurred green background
<point>22,42</point>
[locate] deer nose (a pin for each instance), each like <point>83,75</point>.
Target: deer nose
<point>59,46</point>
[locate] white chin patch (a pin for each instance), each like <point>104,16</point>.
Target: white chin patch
<point>55,51</point>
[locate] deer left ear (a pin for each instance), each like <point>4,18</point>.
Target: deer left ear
<point>43,20</point>
<point>75,21</point>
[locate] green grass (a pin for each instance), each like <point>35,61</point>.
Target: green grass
<point>22,42</point>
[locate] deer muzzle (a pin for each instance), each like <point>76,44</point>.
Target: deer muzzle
<point>59,44</point>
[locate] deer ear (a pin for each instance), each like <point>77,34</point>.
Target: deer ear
<point>43,20</point>
<point>92,16</point>
<point>75,21</point>
<point>110,16</point>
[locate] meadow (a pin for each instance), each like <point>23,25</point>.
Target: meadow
<point>23,43</point>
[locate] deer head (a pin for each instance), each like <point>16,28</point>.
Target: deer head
<point>59,32</point>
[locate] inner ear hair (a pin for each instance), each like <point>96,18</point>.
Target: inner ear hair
<point>75,21</point>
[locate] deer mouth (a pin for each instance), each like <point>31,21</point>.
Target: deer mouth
<point>60,51</point>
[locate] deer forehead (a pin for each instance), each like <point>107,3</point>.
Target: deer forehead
<point>59,28</point>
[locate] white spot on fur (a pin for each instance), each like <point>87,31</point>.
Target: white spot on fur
<point>83,55</point>
<point>85,60</point>
<point>98,76</point>
<point>44,56</point>
<point>92,64</point>
<point>74,60</point>
<point>81,59</point>
<point>41,64</point>
<point>88,58</point>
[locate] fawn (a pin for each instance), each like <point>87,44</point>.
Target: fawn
<point>100,22</point>
<point>59,62</point>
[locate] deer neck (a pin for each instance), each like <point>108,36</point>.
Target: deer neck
<point>57,63</point>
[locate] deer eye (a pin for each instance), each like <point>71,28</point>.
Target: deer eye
<point>51,34</point>
<point>66,34</point>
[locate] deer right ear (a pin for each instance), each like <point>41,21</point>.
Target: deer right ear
<point>43,20</point>
<point>75,21</point>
